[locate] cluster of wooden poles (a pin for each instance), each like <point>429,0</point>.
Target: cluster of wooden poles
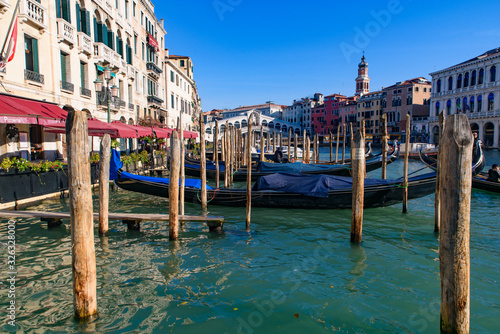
<point>452,218</point>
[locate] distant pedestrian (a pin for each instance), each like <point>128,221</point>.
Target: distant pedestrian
<point>494,173</point>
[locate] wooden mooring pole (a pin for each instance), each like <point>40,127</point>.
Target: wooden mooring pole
<point>81,216</point>
<point>454,237</point>
<point>437,198</point>
<point>216,153</point>
<point>262,143</point>
<point>249,174</point>
<point>405,172</point>
<point>307,149</point>
<point>358,182</point>
<point>173,190</point>
<point>315,147</point>
<point>384,146</point>
<point>203,164</point>
<point>289,149</point>
<point>183,172</point>
<point>331,146</point>
<point>295,146</point>
<point>337,145</point>
<point>343,143</point>
<point>104,154</point>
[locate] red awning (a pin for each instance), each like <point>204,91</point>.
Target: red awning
<point>28,111</point>
<point>189,134</point>
<point>143,131</point>
<point>96,128</point>
<point>162,132</point>
<point>125,130</point>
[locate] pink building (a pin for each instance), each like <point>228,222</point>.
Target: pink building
<point>318,119</point>
<point>348,111</point>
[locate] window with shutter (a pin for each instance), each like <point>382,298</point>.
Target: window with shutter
<point>63,67</point>
<point>78,17</point>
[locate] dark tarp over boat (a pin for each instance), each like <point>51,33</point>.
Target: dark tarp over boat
<point>264,168</point>
<point>293,191</point>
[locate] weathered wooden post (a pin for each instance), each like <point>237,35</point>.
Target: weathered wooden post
<point>405,172</point>
<point>216,153</point>
<point>384,146</point>
<point>289,149</point>
<point>343,143</point>
<point>337,145</point>
<point>295,146</point>
<point>105,153</point>
<point>437,198</point>
<point>358,182</point>
<point>203,164</point>
<point>315,148</point>
<point>454,238</point>
<point>183,173</point>
<point>173,190</point>
<point>262,143</point>
<point>249,176</point>
<point>307,150</point>
<point>226,156</point>
<point>331,146</point>
<point>81,216</point>
<point>233,152</point>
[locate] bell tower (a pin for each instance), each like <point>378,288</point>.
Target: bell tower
<point>362,81</point>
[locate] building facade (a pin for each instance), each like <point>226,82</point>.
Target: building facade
<point>348,112</point>
<point>362,80</point>
<point>410,96</point>
<point>268,109</point>
<point>64,46</point>
<point>181,90</point>
<point>369,110</point>
<point>300,111</point>
<point>473,88</point>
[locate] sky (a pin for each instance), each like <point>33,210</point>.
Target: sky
<point>252,51</point>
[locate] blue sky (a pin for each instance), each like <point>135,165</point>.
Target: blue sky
<point>252,51</point>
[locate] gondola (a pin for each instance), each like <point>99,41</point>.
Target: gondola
<point>480,181</point>
<point>284,190</point>
<point>477,161</point>
<point>192,168</point>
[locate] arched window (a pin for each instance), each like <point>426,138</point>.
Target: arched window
<point>466,79</point>
<point>493,73</point>
<point>437,108</point>
<point>129,52</point>
<point>459,81</point>
<point>481,77</point>
<point>448,107</point>
<point>438,86</point>
<point>63,10</point>
<point>450,83</point>
<point>491,100</point>
<point>473,78</point>
<point>119,43</point>
<point>479,103</point>
<point>459,107</point>
<point>471,104</point>
<point>82,19</point>
<point>465,106</point>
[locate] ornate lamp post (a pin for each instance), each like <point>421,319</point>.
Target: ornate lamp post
<point>105,94</point>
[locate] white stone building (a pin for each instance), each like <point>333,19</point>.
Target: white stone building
<point>63,47</point>
<point>268,109</point>
<point>471,87</point>
<point>182,94</point>
<point>300,111</point>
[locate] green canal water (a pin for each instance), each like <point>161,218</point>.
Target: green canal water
<point>295,272</point>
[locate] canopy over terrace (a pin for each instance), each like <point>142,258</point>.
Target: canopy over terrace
<point>19,110</point>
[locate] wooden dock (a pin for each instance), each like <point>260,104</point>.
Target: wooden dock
<point>131,219</point>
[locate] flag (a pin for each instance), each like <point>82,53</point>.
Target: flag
<point>11,48</point>
<point>466,106</point>
<point>459,109</point>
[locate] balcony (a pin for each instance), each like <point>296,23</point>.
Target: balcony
<point>34,14</point>
<point>85,92</point>
<point>153,70</point>
<point>103,53</point>
<point>65,32</point>
<point>131,106</point>
<point>117,60</point>
<point>113,103</point>
<point>67,87</point>
<point>154,101</point>
<point>34,76</point>
<point>84,43</point>
<point>121,104</point>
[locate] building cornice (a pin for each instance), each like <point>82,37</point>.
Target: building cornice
<point>181,72</point>
<point>463,65</point>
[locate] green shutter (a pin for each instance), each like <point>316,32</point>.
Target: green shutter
<point>35,55</point>
<point>78,18</point>
<point>58,8</point>
<point>65,10</point>
<point>96,31</point>
<point>82,75</point>
<point>87,23</point>
<point>63,67</point>
<point>104,34</point>
<point>117,44</point>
